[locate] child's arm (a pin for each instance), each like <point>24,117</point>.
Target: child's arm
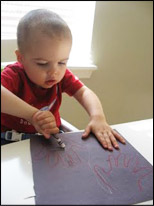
<point>98,124</point>
<point>43,121</point>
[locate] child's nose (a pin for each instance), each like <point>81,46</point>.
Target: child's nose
<point>52,70</point>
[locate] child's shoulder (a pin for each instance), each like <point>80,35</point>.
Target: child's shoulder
<point>14,66</point>
<point>68,74</point>
<point>13,73</point>
<point>13,69</point>
<point>13,76</point>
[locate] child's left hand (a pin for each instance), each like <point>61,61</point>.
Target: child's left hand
<point>104,133</point>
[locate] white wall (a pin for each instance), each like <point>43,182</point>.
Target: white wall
<point>123,51</point>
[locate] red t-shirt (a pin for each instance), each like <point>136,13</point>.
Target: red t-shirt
<point>14,78</point>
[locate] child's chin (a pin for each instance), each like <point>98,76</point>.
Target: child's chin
<point>48,86</point>
<point>44,86</point>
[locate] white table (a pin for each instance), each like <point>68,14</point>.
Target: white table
<point>16,168</point>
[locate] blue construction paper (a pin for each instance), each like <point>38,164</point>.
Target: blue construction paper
<point>86,174</point>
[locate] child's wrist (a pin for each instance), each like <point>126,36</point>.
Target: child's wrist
<point>98,117</point>
<point>31,115</point>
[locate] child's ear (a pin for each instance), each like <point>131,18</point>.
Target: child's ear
<point>18,55</point>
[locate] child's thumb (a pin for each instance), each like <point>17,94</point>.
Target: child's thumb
<point>46,135</point>
<point>86,132</point>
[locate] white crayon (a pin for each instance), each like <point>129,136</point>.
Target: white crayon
<point>61,144</point>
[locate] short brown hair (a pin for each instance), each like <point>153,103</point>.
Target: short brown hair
<point>42,20</point>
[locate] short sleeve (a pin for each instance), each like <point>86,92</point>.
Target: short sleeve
<point>10,79</point>
<point>70,83</point>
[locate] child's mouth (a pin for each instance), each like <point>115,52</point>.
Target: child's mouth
<point>50,82</point>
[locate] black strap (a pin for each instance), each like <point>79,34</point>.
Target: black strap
<point>23,137</point>
<point>9,136</point>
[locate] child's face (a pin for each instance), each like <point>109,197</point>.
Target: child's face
<point>45,60</point>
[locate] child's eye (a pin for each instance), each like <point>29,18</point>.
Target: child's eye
<point>42,64</point>
<point>62,63</point>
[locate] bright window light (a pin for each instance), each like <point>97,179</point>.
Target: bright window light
<point>79,15</point>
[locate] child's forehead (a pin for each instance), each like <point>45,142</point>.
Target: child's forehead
<point>39,39</point>
<point>47,48</point>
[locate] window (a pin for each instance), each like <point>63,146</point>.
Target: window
<point>79,15</point>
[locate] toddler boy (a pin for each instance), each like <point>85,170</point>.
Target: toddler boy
<point>40,76</point>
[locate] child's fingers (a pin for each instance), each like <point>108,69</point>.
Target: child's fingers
<point>52,131</point>
<point>86,132</point>
<point>46,121</point>
<point>118,136</point>
<point>38,114</point>
<point>108,141</point>
<point>43,115</point>
<point>113,140</point>
<point>46,135</point>
<point>47,132</point>
<point>49,125</point>
<point>101,139</point>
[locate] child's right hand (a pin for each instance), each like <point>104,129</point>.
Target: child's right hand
<point>44,122</point>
